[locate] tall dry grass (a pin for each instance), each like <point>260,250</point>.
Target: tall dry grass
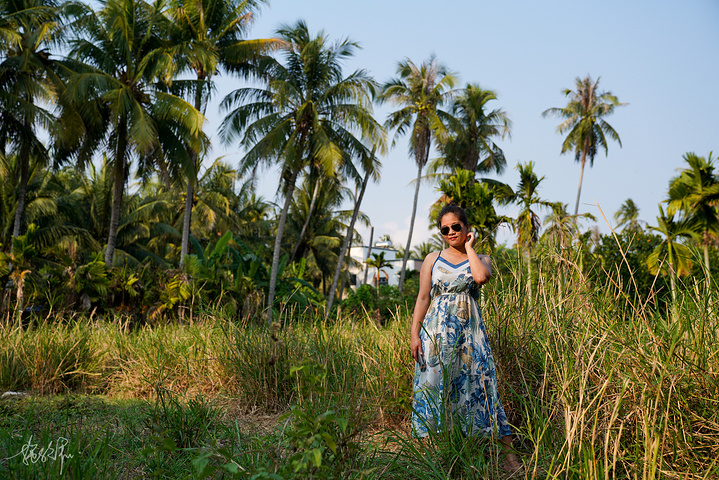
<point>602,388</point>
<point>596,386</point>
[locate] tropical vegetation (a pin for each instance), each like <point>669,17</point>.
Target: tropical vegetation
<point>162,317</point>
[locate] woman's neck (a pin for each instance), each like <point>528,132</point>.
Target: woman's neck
<point>457,250</point>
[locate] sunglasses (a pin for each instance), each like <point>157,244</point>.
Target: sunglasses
<point>445,230</point>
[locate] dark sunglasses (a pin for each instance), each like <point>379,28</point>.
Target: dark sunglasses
<point>445,230</point>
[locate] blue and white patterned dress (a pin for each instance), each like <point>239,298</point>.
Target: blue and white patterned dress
<point>456,370</point>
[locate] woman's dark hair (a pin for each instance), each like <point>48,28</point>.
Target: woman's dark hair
<point>452,208</point>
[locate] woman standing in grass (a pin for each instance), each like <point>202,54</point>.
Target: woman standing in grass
<point>455,377</point>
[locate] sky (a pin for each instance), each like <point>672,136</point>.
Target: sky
<point>659,57</point>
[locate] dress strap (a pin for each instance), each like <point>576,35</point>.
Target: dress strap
<point>435,261</point>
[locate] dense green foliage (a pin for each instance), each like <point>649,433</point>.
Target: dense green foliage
<point>132,266</point>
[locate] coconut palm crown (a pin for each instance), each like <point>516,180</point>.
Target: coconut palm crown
<point>307,113</point>
<point>586,129</point>
<point>419,92</point>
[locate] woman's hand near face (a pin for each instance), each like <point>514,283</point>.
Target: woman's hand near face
<point>469,241</point>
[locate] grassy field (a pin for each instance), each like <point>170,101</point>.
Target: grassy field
<point>596,387</point>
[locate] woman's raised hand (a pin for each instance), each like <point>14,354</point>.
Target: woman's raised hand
<point>469,241</point>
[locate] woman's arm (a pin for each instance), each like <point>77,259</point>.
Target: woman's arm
<point>421,305</point>
<point>480,265</point>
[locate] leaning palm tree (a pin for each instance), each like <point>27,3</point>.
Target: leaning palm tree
<point>696,193</point>
<point>207,36</point>
<point>118,95</point>
<point>27,81</point>
<point>419,92</point>
<point>371,166</point>
<point>306,113</point>
<point>585,126</point>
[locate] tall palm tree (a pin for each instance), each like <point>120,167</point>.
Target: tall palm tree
<point>207,36</point>
<point>585,126</point>
<point>307,113</point>
<point>120,93</point>
<point>627,215</point>
<point>371,167</point>
<point>27,81</point>
<point>419,92</point>
<point>696,192</point>
<point>671,257</point>
<point>472,133</point>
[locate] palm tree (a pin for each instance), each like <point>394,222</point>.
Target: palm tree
<point>40,197</point>
<point>321,244</point>
<point>208,35</point>
<point>586,127</point>
<point>527,223</point>
<point>379,262</point>
<point>419,92</point>
<point>671,257</point>
<point>120,94</point>
<point>696,192</point>
<point>371,167</point>
<point>308,113</point>
<point>627,215</point>
<point>562,227</point>
<point>27,80</point>
<point>477,198</point>
<point>470,144</point>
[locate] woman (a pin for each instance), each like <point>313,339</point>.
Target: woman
<point>455,378</point>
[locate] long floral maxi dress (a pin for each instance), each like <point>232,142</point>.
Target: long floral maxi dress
<point>455,380</point>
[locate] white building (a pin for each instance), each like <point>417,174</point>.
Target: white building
<point>387,275</point>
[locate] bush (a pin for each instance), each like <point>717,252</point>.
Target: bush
<point>380,304</point>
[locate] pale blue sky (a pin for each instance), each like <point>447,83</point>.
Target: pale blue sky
<point>660,57</point>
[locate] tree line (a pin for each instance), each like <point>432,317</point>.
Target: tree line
<point>98,98</point>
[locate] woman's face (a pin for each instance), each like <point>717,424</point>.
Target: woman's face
<point>448,224</point>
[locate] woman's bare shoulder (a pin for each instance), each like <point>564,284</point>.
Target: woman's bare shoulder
<point>431,257</point>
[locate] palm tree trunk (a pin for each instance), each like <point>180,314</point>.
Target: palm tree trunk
<point>118,189</point>
<point>313,204</point>
<point>369,251</point>
<point>581,177</point>
<point>278,244</point>
<point>345,245</point>
<point>342,287</point>
<point>186,223</point>
<point>411,228</point>
<point>189,196</point>
<point>22,189</point>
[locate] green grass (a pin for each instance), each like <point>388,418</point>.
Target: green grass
<point>595,386</point>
